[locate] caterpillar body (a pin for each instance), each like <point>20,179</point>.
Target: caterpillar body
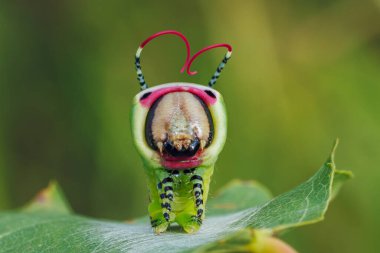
<point>179,129</point>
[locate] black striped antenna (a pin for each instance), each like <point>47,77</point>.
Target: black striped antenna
<point>140,76</point>
<point>216,75</point>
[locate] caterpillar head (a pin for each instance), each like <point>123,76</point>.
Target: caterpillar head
<point>179,125</point>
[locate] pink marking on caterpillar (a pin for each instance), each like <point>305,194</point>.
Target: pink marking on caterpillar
<point>147,102</point>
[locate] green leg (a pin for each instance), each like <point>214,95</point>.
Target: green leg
<point>161,200</point>
<point>192,217</point>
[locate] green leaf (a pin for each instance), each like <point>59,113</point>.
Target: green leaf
<point>305,204</point>
<point>247,240</point>
<point>241,216</point>
<point>230,198</point>
<point>50,199</point>
<point>341,176</point>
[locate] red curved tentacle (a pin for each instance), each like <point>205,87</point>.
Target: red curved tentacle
<point>229,48</point>
<point>174,33</point>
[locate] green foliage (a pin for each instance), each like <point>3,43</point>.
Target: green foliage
<point>49,200</point>
<point>243,216</point>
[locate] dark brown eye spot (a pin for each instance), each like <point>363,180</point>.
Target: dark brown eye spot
<point>210,93</point>
<point>145,95</point>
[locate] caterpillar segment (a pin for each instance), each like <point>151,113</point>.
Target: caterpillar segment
<point>186,206</point>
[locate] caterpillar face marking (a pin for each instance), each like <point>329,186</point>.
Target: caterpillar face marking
<point>179,126</point>
<point>179,129</point>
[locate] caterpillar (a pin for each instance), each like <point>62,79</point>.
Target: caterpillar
<point>179,129</point>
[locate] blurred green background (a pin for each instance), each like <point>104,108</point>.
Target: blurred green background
<point>302,74</point>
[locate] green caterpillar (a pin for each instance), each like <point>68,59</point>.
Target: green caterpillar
<point>179,129</point>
